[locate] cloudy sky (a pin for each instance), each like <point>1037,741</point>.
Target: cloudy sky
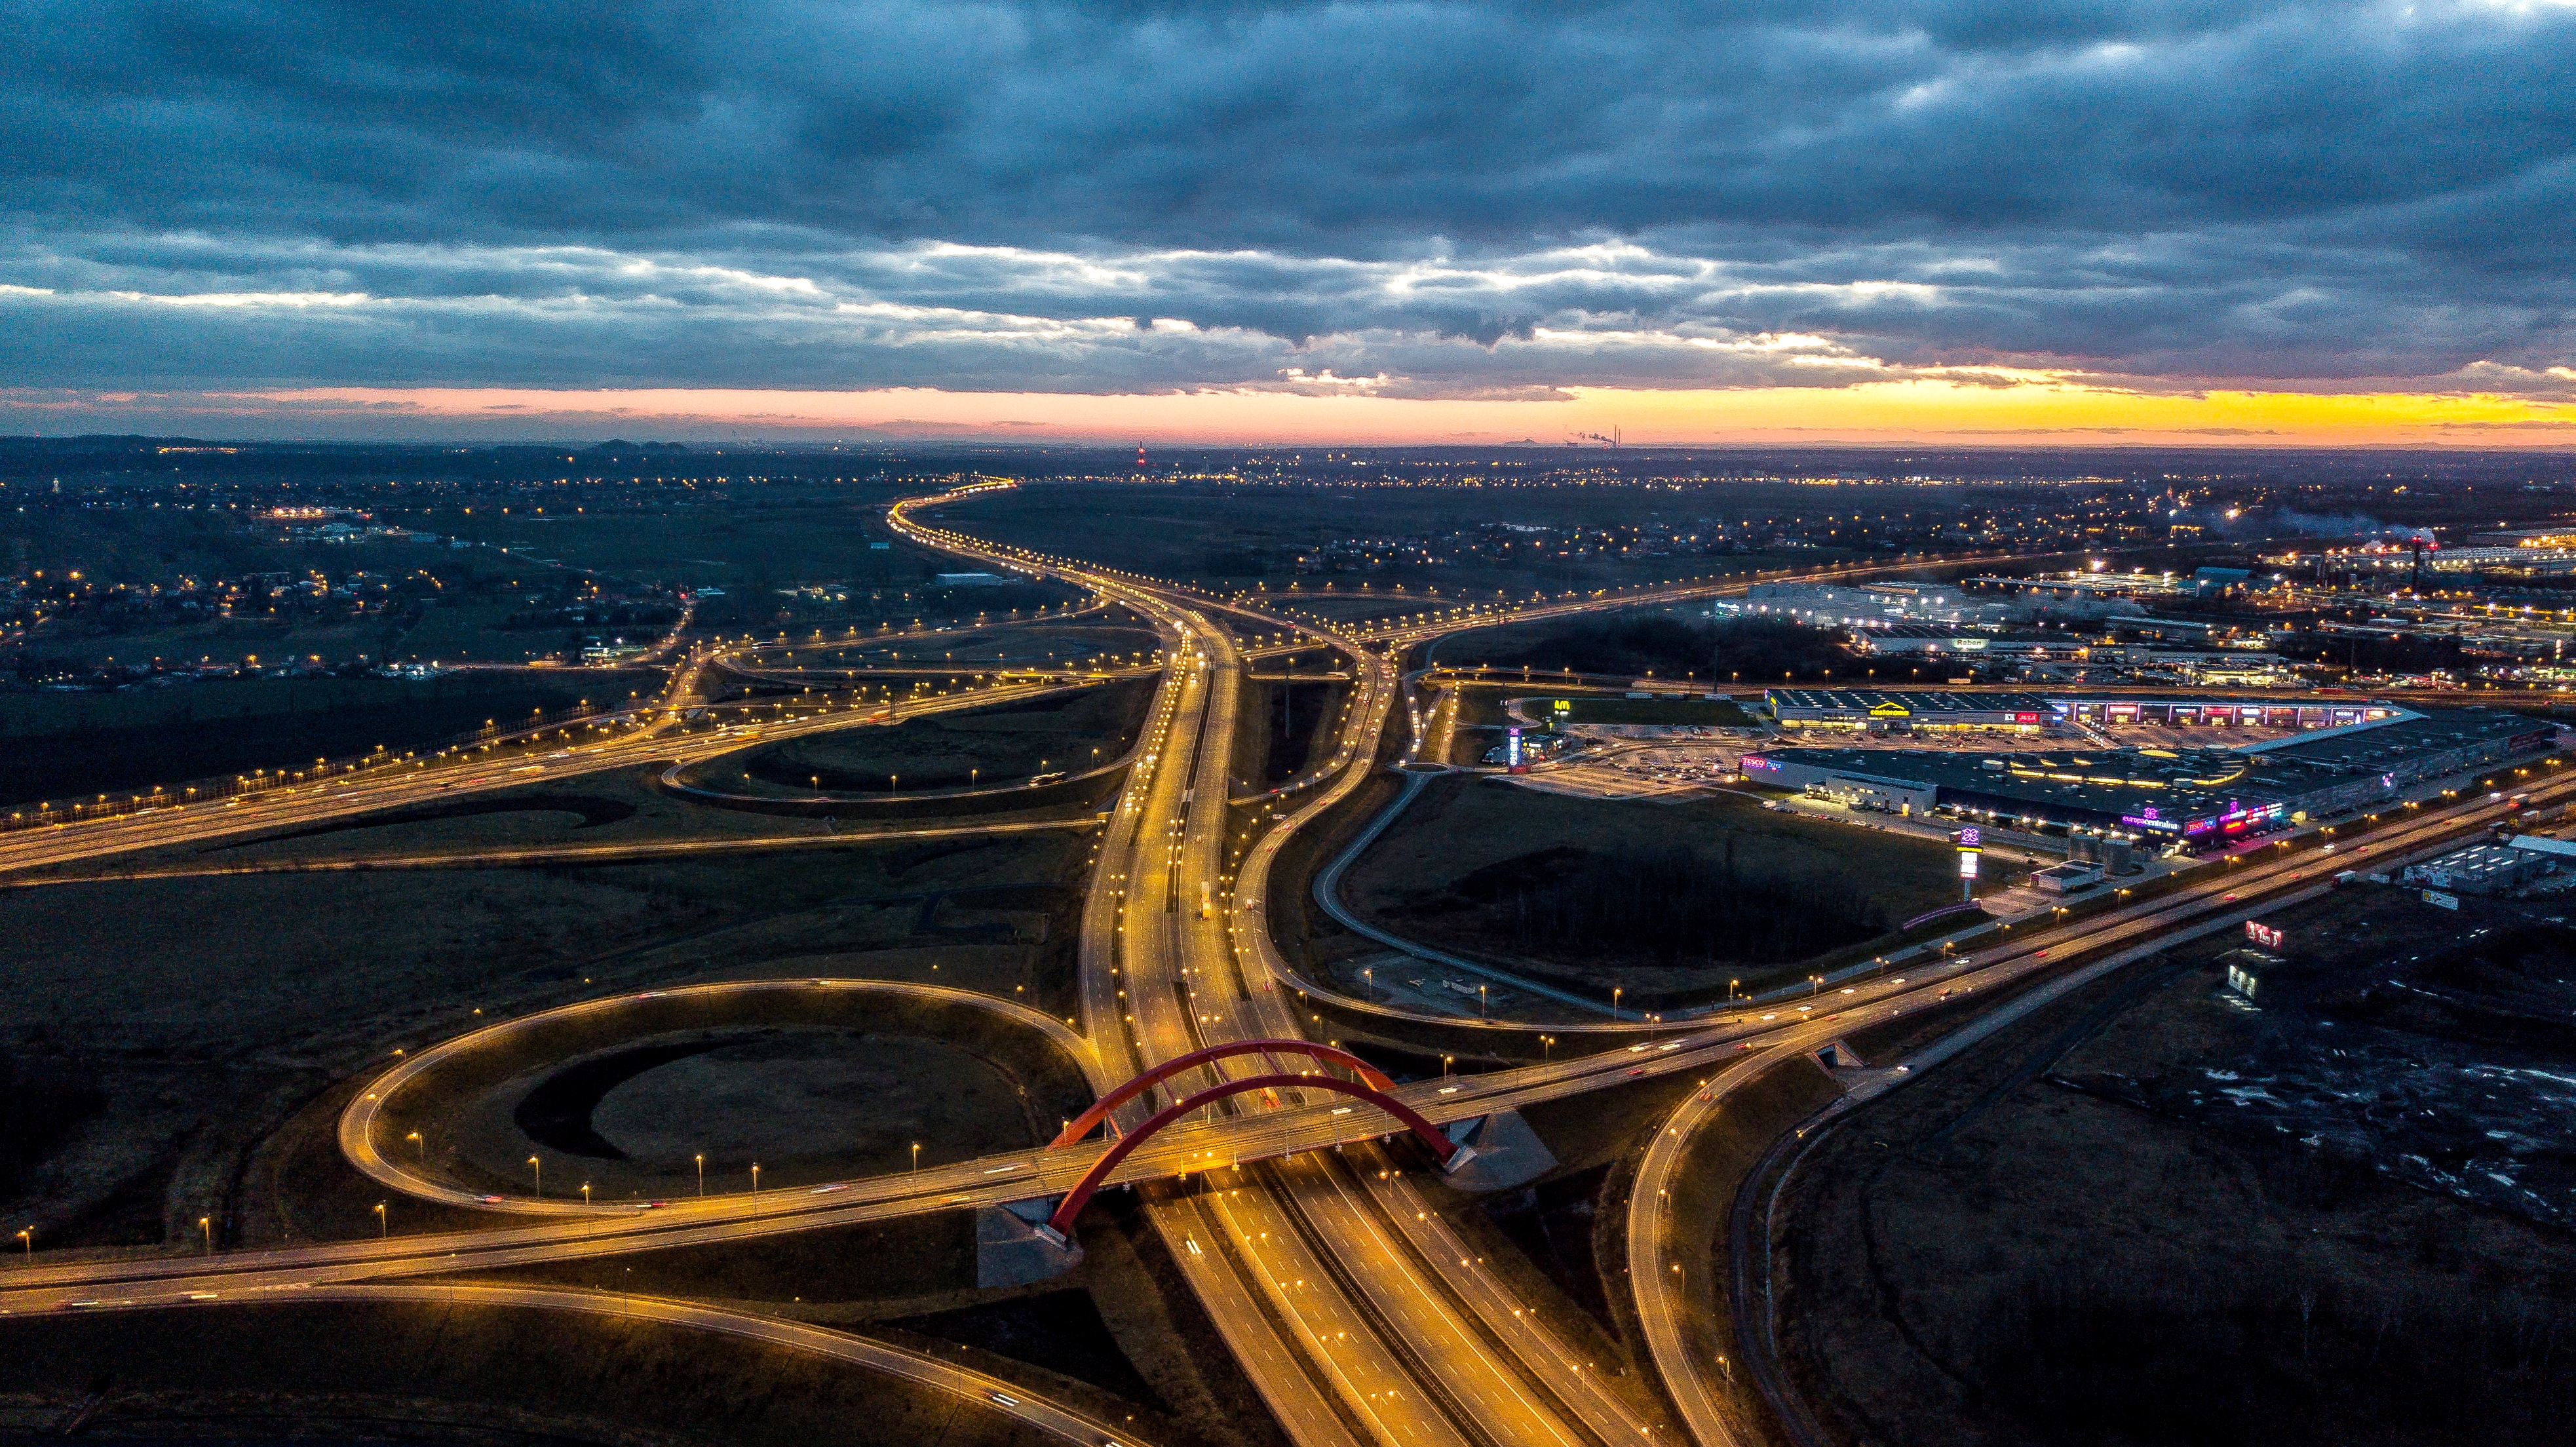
<point>2217,220</point>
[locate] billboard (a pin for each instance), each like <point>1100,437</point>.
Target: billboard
<point>1512,748</point>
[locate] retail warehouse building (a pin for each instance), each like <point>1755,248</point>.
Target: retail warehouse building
<point>1897,709</point>
<point>2192,796</point>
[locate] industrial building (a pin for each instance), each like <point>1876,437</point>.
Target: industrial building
<point>2478,869</point>
<point>2194,797</point>
<point>1865,604</point>
<point>1934,638</point>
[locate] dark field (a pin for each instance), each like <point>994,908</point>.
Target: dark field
<point>1057,733</point>
<point>208,1012</point>
<point>1218,535</point>
<point>370,1372</point>
<point>1670,644</point>
<point>69,746</point>
<point>1664,899</point>
<point>1994,1256</point>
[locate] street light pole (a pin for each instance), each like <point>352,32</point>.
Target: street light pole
<point>538,1169</point>
<point>702,1174</point>
<point>383,1228</point>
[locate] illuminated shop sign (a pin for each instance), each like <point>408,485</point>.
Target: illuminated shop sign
<point>1756,761</point>
<point>2147,819</point>
<point>2238,819</point>
<point>2025,718</point>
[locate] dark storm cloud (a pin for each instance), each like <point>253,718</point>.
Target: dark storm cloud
<point>1426,199</point>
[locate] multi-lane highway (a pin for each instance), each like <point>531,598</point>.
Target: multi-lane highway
<point>1359,1314</point>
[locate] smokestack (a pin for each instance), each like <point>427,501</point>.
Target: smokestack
<point>2418,585</point>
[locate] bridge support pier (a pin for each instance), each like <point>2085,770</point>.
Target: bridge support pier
<point>1496,1152</point>
<point>1014,1245</point>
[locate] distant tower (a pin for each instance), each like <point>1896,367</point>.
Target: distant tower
<point>1140,454</point>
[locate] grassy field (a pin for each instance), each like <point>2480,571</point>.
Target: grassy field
<point>783,534</point>
<point>1544,882</point>
<point>208,1011</point>
<point>1055,733</point>
<point>62,746</point>
<point>1220,535</point>
<point>2046,1266</point>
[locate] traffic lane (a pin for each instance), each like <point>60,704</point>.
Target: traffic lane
<point>588,853</point>
<point>1504,1316</point>
<point>1335,1337</point>
<point>1485,1386</point>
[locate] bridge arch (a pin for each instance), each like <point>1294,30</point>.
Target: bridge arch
<point>1081,1125</point>
<point>1451,1153</point>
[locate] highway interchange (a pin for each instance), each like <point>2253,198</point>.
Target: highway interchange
<point>1359,1314</point>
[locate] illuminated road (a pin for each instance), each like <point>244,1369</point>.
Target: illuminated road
<point>1667,1302</point>
<point>574,853</point>
<point>1359,1315</point>
<point>432,781</point>
<point>1287,1270</point>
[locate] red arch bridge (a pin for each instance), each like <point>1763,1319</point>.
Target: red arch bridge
<point>1371,1087</point>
